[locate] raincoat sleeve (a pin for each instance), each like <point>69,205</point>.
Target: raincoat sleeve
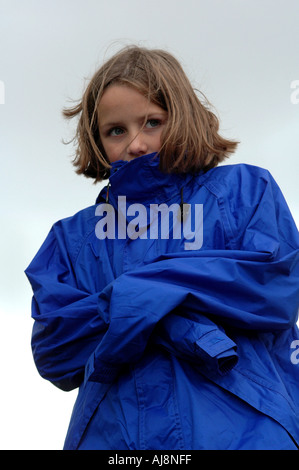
<point>193,337</point>
<point>63,335</point>
<point>254,285</point>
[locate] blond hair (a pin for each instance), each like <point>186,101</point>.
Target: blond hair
<point>190,140</point>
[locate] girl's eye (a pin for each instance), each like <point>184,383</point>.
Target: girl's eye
<point>153,123</point>
<point>115,131</point>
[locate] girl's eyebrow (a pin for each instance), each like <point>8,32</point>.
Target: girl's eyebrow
<point>156,114</point>
<point>110,124</point>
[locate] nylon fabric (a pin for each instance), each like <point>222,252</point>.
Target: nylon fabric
<point>173,348</point>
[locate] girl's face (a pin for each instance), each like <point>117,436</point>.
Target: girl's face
<point>129,125</point>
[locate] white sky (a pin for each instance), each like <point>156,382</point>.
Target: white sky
<point>243,54</point>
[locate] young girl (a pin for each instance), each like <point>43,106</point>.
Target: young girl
<point>172,302</point>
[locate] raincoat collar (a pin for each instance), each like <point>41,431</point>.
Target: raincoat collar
<point>141,180</point>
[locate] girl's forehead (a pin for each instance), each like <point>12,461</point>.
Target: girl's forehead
<point>118,94</point>
<point>122,99</point>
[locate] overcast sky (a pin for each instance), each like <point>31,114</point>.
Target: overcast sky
<point>242,54</point>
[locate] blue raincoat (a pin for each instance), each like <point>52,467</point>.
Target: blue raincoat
<point>173,345</point>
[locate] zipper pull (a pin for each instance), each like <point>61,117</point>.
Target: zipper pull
<point>184,208</point>
<point>107,193</point>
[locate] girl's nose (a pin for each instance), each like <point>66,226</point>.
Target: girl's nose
<point>137,146</point>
